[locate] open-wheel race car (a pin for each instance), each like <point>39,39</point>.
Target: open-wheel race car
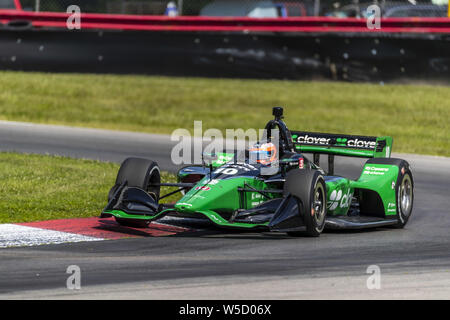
<point>297,197</point>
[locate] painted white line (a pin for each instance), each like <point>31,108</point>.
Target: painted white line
<point>12,235</point>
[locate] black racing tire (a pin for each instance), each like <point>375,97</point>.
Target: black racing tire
<point>309,187</point>
<point>404,193</point>
<point>112,191</point>
<point>140,173</point>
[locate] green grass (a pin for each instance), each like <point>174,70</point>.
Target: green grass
<point>417,116</point>
<point>35,187</point>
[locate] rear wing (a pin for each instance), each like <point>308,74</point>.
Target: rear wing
<point>342,145</point>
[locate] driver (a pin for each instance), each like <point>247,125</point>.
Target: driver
<point>264,153</point>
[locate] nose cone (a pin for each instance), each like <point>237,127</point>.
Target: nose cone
<point>201,198</point>
<point>198,198</point>
<point>213,195</point>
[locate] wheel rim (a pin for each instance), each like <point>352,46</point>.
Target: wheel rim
<point>318,205</point>
<point>405,196</point>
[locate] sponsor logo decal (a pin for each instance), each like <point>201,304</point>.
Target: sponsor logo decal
<point>375,170</point>
<point>256,196</point>
<point>313,140</point>
<point>392,207</point>
<point>256,199</point>
<point>338,199</point>
<point>222,159</point>
<point>361,143</point>
<point>204,188</point>
<point>356,143</point>
<point>301,163</point>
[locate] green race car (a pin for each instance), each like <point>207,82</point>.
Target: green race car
<point>295,196</point>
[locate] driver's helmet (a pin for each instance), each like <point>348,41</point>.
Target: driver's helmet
<point>264,153</point>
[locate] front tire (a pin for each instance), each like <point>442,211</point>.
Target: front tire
<point>139,173</point>
<point>309,187</point>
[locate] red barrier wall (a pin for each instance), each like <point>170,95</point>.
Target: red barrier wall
<point>214,24</point>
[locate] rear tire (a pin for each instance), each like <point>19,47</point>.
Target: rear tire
<point>309,187</point>
<point>404,188</point>
<point>404,192</point>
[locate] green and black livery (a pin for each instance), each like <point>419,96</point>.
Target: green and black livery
<point>299,197</point>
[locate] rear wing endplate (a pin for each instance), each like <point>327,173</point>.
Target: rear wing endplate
<point>342,145</point>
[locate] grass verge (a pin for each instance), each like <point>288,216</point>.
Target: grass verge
<point>35,187</point>
<point>417,116</point>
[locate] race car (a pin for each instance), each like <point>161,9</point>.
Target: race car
<point>297,197</point>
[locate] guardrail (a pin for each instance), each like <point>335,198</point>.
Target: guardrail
<point>224,24</point>
<point>300,48</point>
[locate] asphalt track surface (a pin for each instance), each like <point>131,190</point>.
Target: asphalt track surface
<point>414,262</point>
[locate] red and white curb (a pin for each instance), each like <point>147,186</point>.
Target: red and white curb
<point>77,230</point>
<point>13,235</point>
